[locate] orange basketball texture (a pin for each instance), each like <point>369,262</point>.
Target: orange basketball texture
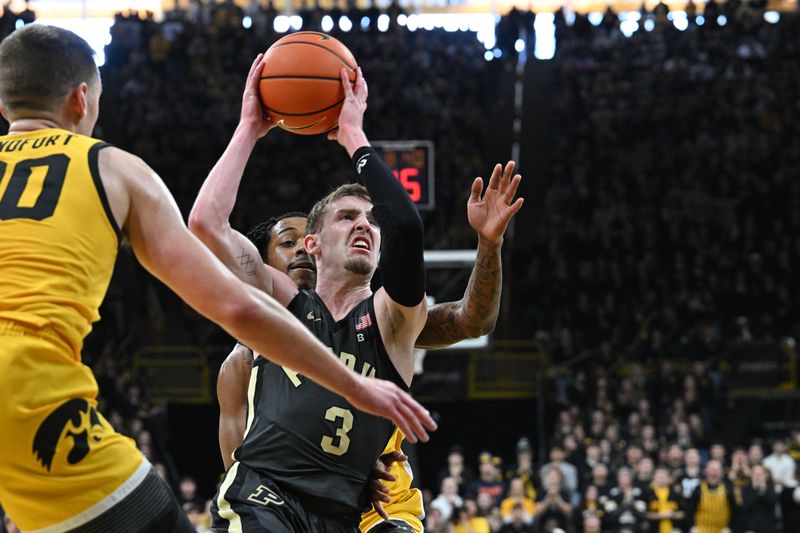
<point>300,84</point>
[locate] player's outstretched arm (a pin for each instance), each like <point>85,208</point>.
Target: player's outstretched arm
<point>209,218</point>
<point>232,385</point>
<point>401,300</point>
<point>476,313</point>
<point>167,249</point>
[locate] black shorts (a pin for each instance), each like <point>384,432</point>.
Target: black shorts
<point>250,502</point>
<point>392,526</point>
<point>149,508</point>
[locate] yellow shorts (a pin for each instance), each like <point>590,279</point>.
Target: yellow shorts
<point>61,462</point>
<point>406,503</point>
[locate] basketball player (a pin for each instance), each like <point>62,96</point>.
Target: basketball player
<point>344,239</point>
<point>66,201</point>
<point>279,240</point>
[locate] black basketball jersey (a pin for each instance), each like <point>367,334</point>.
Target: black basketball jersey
<point>309,440</point>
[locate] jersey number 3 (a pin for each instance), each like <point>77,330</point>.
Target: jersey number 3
<point>341,432</point>
<point>35,198</point>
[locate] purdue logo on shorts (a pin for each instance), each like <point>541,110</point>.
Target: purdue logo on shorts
<point>264,496</point>
<point>78,419</point>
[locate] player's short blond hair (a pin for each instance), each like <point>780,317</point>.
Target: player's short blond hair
<point>40,65</point>
<point>314,224</point>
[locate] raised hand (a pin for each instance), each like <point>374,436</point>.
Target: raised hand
<point>490,214</point>
<point>350,131</point>
<point>384,398</point>
<point>253,116</point>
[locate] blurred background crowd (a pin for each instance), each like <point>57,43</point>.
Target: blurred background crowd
<point>658,241</point>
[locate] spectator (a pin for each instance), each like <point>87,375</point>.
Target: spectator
<point>625,506</point>
<point>664,504</point>
<point>188,492</point>
<point>568,471</point>
<point>456,470</point>
<point>711,507</point>
<point>553,505</point>
<point>518,521</point>
<point>448,499</point>
<point>591,505</point>
<point>193,514</point>
<point>489,481</point>
<point>758,504</point>
<point>755,454</point>
<point>690,478</point>
<point>466,520</point>
<point>517,497</point>
<point>523,469</point>
<point>780,465</point>
<point>435,522</point>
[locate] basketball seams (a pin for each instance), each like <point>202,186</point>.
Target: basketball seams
<point>296,77</point>
<point>342,59</point>
<point>304,114</point>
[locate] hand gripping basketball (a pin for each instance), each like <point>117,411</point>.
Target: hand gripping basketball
<point>299,82</point>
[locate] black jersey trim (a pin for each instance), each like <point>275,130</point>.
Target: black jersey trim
<point>296,308</point>
<point>94,169</point>
<point>397,378</point>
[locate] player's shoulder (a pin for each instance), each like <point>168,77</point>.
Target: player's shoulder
<point>238,363</point>
<point>121,160</point>
<point>240,355</point>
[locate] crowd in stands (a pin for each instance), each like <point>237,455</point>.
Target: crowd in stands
<point>670,215</point>
<point>667,228</point>
<point>629,452</point>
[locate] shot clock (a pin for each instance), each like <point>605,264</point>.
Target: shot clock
<point>412,164</point>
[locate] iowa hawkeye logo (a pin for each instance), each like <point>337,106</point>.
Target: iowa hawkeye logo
<point>74,419</point>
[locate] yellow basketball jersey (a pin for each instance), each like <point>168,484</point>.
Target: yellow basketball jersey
<point>713,512</point>
<point>58,240</point>
<point>61,463</point>
<point>406,503</point>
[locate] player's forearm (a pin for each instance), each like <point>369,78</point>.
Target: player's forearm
<point>214,204</point>
<point>482,297</point>
<point>288,343</point>
<point>402,261</point>
<point>476,313</point>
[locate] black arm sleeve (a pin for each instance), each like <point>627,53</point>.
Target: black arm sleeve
<point>402,262</point>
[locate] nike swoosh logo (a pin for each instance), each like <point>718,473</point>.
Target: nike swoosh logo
<point>310,316</point>
<point>281,124</point>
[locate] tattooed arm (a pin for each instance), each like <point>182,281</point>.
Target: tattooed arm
<point>476,313</point>
<point>209,219</point>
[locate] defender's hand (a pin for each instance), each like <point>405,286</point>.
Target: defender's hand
<point>379,493</point>
<point>384,398</point>
<point>489,215</point>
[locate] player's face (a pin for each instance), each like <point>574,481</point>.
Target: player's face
<point>350,238</point>
<point>285,252</point>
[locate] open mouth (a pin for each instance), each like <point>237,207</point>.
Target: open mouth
<point>361,243</point>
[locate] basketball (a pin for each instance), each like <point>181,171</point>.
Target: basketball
<point>300,85</point>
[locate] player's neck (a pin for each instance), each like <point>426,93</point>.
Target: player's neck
<point>341,295</point>
<point>24,125</point>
